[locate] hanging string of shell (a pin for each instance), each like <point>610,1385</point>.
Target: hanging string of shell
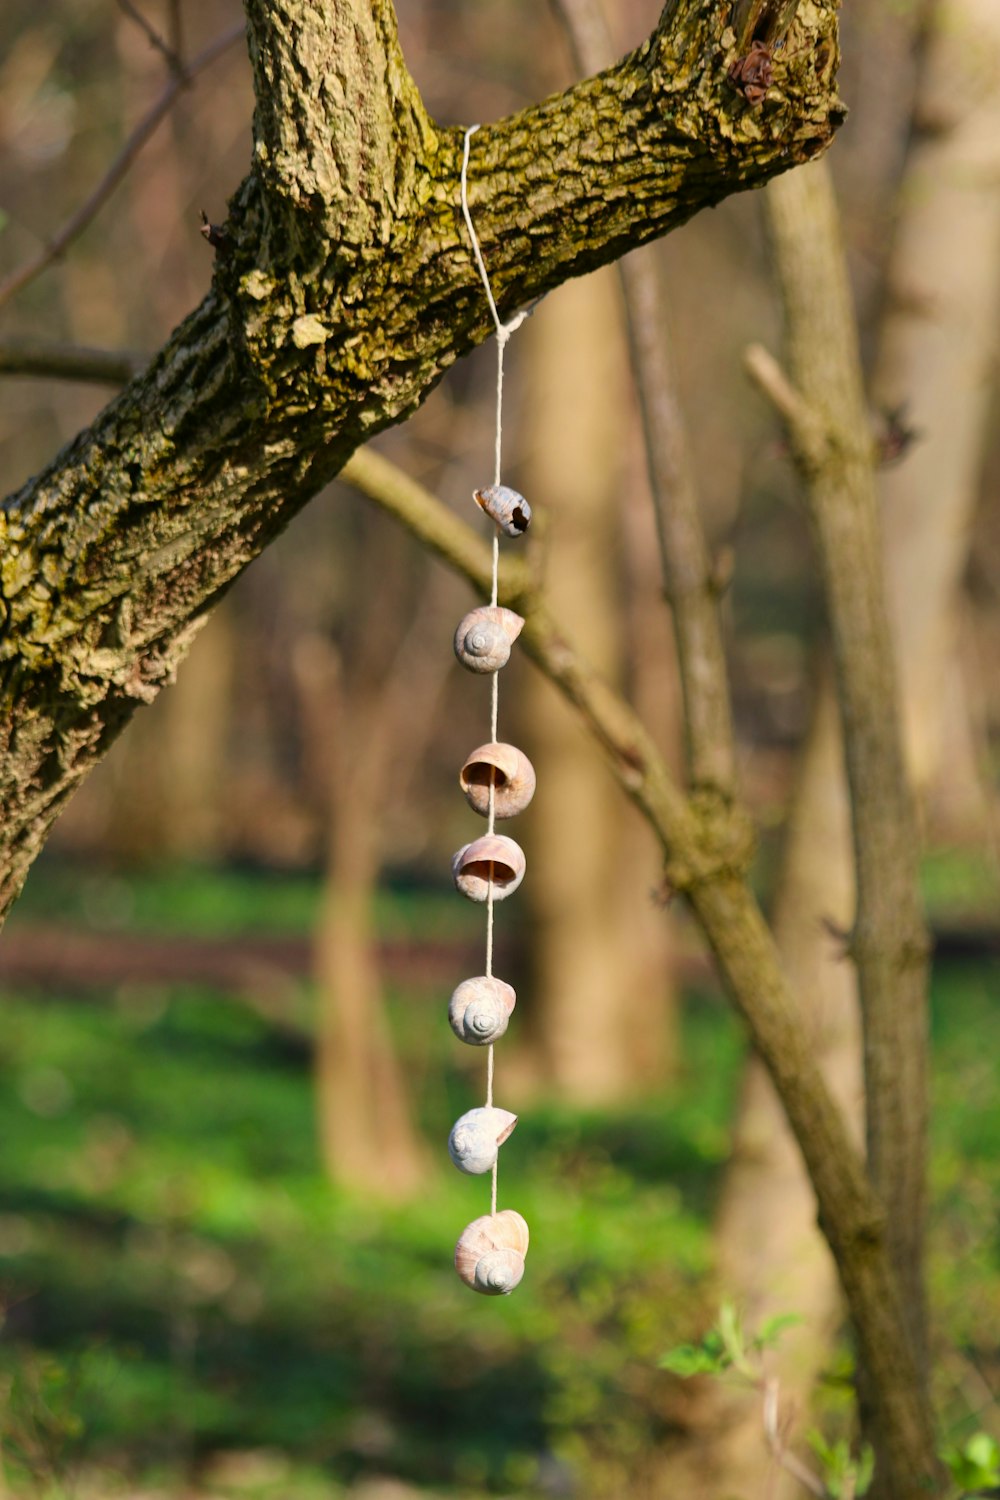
<point>498,782</point>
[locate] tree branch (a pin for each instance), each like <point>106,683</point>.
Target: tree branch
<point>807,434</point>
<point>156,41</point>
<point>340,128</point>
<point>777,1446</point>
<point>889,942</point>
<point>77,222</point>
<point>69,362</point>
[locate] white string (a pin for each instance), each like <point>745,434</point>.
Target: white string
<point>472,233</point>
<point>504,330</point>
<point>489,1102</point>
<point>489,927</point>
<point>503,334</point>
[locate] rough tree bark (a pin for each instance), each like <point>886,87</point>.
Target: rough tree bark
<point>343,290</point>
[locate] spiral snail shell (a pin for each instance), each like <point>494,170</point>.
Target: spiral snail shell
<point>476,1138</point>
<point>484,637</point>
<point>506,507</point>
<point>490,1253</point>
<point>480,1008</point>
<point>511,772</point>
<point>494,860</point>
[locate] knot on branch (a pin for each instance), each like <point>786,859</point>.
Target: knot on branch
<point>723,846</point>
<point>867,1229</point>
<point>780,68</point>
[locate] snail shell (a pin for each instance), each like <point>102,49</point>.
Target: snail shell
<point>490,1253</point>
<point>512,774</point>
<point>480,1009</point>
<point>506,507</point>
<point>492,860</point>
<point>477,1137</point>
<point>484,637</point>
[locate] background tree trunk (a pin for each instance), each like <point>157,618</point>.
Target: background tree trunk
<point>364,1123</point>
<point>771,1257</point>
<point>935,355</point>
<point>600,948</point>
<point>937,359</point>
<point>369,733</point>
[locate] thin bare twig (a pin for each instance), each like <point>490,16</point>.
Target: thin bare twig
<point>155,39</point>
<point>776,1443</point>
<point>176,12</point>
<point>78,221</point>
<point>70,362</point>
<point>808,435</point>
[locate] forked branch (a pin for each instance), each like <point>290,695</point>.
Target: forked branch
<point>824,408</point>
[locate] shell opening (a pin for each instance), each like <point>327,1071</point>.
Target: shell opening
<point>477,1136</point>
<point>497,874</point>
<point>480,774</point>
<point>497,776</point>
<point>508,509</point>
<point>493,862</point>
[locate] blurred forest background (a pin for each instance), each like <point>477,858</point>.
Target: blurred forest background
<point>226,1211</point>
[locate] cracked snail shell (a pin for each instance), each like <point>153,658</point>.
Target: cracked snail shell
<point>484,637</point>
<point>480,1008</point>
<point>490,1253</point>
<point>476,1138</point>
<point>506,507</point>
<point>494,860</point>
<point>511,772</point>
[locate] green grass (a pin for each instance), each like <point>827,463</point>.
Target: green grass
<point>190,1304</point>
<point>201,901</point>
<point>173,1254</point>
<point>962,885</point>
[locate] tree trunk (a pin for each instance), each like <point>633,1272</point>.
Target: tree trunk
<point>932,346</point>
<point>366,1131</point>
<point>937,356</point>
<point>600,970</point>
<point>935,353</point>
<point>771,1258</point>
<point>889,942</point>
<point>364,1123</point>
